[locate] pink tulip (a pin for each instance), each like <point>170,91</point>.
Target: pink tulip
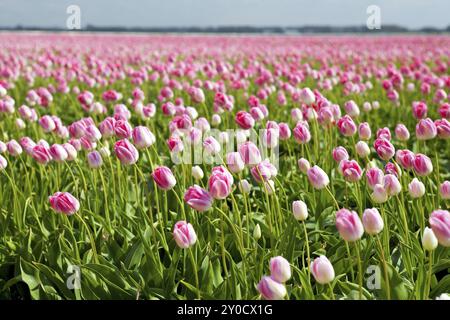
<point>71,151</point>
<point>235,162</point>
<point>3,163</point>
<point>107,126</point>
<point>164,178</point>
<point>419,110</point>
<point>384,133</point>
<point>416,188</point>
<point>426,129</point>
<point>94,159</point>
<point>184,234</point>
<point>401,132</point>
<point>41,154</point>
<point>58,153</point>
<point>322,270</point>
<point>374,176</point>
<point>14,148</point>
<point>142,137</point>
<point>264,171</point>
<point>444,190</point>
<point>122,129</point>
<point>64,202</point>
<point>440,224</point>
<point>384,149</point>
<point>250,153</point>
<point>349,225</point>
<point>405,158</point>
<point>301,133</point>
<point>346,126</point>
<point>198,198</point>
<point>271,289</point>
<point>220,183</point>
<point>47,123</point>
<point>175,144</point>
<point>244,120</point>
<point>379,194</point>
<point>285,131</point>
<point>372,221</point>
<point>444,111</point>
<point>351,108</point>
<point>303,165</point>
<point>392,185</point>
<point>126,152</point>
<point>317,177</point>
<point>443,128</point>
<point>364,131</point>
<point>422,165</point>
<point>351,170</point>
<point>211,146</point>
<point>339,154</point>
<point>280,270</point>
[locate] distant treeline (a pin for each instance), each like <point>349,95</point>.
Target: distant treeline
<point>242,29</point>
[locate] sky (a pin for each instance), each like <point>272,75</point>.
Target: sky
<point>201,13</point>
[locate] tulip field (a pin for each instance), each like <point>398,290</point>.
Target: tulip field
<point>224,167</point>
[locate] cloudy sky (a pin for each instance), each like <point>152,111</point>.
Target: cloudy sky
<point>154,13</point>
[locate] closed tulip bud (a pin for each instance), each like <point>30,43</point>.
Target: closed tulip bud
<point>164,178</point>
<point>143,137</point>
<point>444,190</point>
<point>362,149</point>
<point>322,270</point>
<point>47,123</point>
<point>440,223</point>
<point>317,177</point>
<point>71,151</point>
<point>184,234</point>
<point>429,240</point>
<point>364,131</point>
<point>215,120</point>
<point>301,133</point>
<point>419,109</point>
<point>405,158</point>
<point>374,176</point>
<point>3,163</point>
<point>401,132</point>
<point>58,153</point>
<point>220,183</point>
<point>244,186</point>
<point>198,198</point>
<point>122,129</point>
<point>443,128</point>
<point>41,154</point>
<point>64,202</point>
<point>426,129</point>
<point>3,147</point>
<point>392,185</point>
<point>126,152</point>
<point>300,210</point>
<point>257,232</point>
<point>104,151</point>
<point>443,296</point>
<point>351,108</point>
<point>384,149</point>
<point>92,133</point>
<point>107,126</point>
<point>372,221</point>
<point>197,173</point>
<point>270,187</point>
<point>351,170</point>
<point>416,188</point>
<point>307,96</point>
<point>250,153</point>
<point>14,148</point>
<point>20,124</point>
<point>244,120</point>
<point>303,165</point>
<point>94,159</point>
<point>379,194</point>
<point>280,269</point>
<point>346,126</point>
<point>235,162</point>
<point>271,289</point>
<point>422,165</point>
<point>296,115</point>
<point>211,146</point>
<point>349,225</point>
<point>339,154</point>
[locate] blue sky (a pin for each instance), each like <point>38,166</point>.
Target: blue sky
<point>145,13</point>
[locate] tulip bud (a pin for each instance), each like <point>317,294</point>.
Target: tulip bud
<point>197,173</point>
<point>64,202</point>
<point>401,132</point>
<point>440,223</point>
<point>443,296</point>
<point>392,185</point>
<point>280,270</point>
<point>349,225</point>
<point>184,234</point>
<point>235,162</point>
<point>300,210</point>
<point>303,165</point>
<point>362,149</point>
<point>322,270</point>
<point>271,289</point>
<point>143,137</point>
<point>317,177</point>
<point>416,188</point>
<point>215,120</point>
<point>379,194</point>
<point>444,190</point>
<point>364,131</point>
<point>429,240</point>
<point>3,163</point>
<point>422,165</point>
<point>244,186</point>
<point>372,221</point>
<point>164,178</point>
<point>257,232</point>
<point>339,154</point>
<point>198,198</point>
<point>94,159</point>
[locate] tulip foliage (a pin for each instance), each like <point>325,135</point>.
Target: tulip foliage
<point>172,167</point>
